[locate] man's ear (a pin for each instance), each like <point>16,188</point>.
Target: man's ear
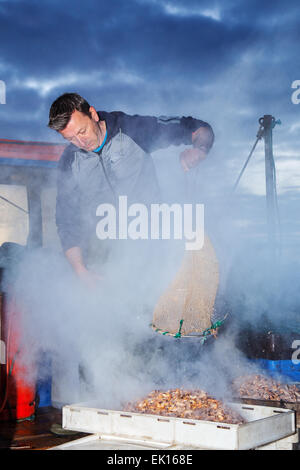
<point>94,113</point>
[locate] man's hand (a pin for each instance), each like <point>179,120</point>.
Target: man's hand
<point>202,140</point>
<point>88,278</point>
<point>190,158</point>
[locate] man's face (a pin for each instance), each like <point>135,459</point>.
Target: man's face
<point>83,131</point>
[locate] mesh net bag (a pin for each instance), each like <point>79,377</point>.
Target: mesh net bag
<point>186,307</point>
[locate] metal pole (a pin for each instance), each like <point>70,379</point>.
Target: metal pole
<point>35,236</point>
<point>268,123</point>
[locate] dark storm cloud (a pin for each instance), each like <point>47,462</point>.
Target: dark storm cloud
<point>146,56</point>
<point>227,62</point>
<point>44,39</point>
<point>266,15</point>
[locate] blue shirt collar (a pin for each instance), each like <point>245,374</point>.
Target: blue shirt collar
<point>100,147</point>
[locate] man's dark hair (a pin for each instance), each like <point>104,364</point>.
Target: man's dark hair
<point>63,107</point>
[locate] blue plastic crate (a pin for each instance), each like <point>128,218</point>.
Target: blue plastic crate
<point>44,379</point>
<point>285,368</point>
<point>43,389</point>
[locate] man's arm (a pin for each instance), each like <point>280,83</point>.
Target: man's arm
<point>153,133</point>
<point>68,220</point>
<point>67,212</point>
<point>202,139</point>
<point>75,258</point>
<point>67,203</point>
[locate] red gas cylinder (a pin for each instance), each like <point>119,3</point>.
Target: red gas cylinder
<point>18,374</point>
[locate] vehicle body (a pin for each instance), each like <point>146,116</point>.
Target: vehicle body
<point>27,221</point>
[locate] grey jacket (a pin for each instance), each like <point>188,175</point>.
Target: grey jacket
<point>123,167</point>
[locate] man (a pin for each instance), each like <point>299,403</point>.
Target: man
<point>108,156</point>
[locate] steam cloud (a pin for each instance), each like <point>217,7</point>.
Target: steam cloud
<point>101,345</point>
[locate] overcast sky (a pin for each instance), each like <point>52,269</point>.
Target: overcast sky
<point>226,62</point>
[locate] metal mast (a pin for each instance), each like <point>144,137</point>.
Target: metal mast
<point>268,122</point>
